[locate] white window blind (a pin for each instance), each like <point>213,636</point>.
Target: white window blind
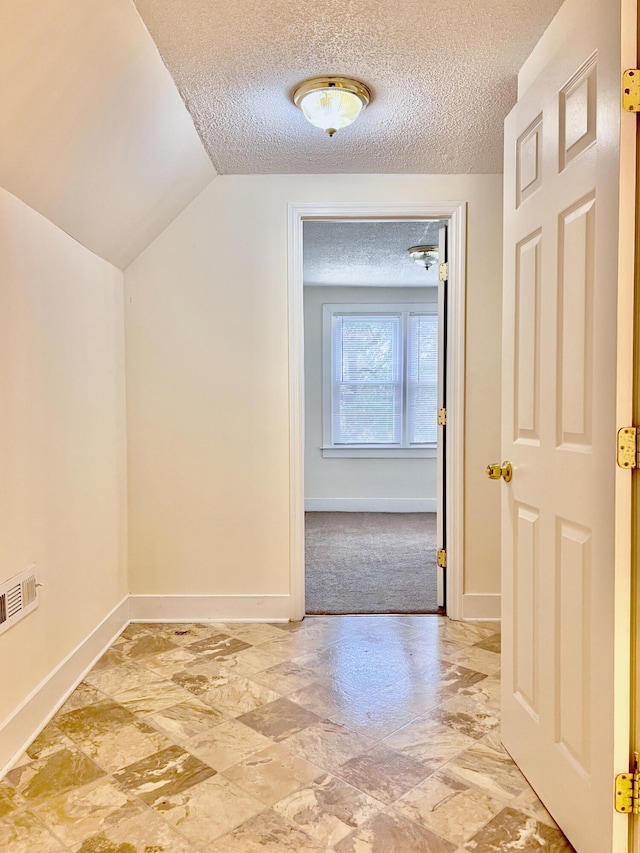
<point>422,384</point>
<point>383,382</point>
<point>367,398</point>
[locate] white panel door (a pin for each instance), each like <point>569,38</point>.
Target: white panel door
<point>566,368</point>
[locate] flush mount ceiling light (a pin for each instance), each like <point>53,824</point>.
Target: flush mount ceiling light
<point>331,103</point>
<point>424,256</point>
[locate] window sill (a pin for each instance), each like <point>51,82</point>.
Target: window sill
<point>353,452</point>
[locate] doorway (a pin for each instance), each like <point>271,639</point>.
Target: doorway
<point>453,214</point>
<point>372,395</point>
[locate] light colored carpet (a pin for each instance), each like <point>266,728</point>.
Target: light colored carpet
<point>370,562</point>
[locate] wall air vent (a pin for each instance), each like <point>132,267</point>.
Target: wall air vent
<point>18,597</point>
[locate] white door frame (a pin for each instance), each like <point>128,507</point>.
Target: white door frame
<point>454,213</point>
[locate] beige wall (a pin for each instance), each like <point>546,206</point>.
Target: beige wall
<point>62,441</point>
<point>377,479</point>
<point>207,362</point>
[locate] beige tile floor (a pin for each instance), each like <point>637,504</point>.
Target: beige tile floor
<point>349,734</point>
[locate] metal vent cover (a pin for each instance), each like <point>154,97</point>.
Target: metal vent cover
<point>18,597</point>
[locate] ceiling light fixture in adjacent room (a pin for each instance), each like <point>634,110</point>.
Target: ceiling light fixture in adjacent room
<point>424,256</point>
<point>331,103</point>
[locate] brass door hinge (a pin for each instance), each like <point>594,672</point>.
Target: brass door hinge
<point>442,417</point>
<point>443,272</point>
<point>628,451</point>
<point>631,90</point>
<point>627,790</point>
<point>442,558</point>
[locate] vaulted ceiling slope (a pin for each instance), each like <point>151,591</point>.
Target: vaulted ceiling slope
<point>93,133</point>
<point>442,73</point>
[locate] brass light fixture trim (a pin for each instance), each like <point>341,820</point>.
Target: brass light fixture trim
<point>330,87</point>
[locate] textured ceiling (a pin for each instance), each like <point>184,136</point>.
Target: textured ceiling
<point>442,74</point>
<point>367,253</point>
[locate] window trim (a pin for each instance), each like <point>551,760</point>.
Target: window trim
<point>368,451</point>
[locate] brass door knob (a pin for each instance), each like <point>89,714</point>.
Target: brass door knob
<point>495,471</point>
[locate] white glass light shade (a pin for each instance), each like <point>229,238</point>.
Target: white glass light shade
<point>424,256</point>
<point>331,103</point>
<point>331,109</point>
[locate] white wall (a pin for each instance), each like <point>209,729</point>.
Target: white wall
<point>62,443</point>
<point>331,479</point>
<point>207,373</point>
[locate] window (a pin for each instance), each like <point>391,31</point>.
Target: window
<point>380,365</point>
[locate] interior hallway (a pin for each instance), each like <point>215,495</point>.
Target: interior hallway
<point>346,733</point>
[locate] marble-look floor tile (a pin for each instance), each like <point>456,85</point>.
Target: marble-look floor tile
<point>114,679</point>
<point>116,749</point>
<point>10,799</point>
<point>489,769</point>
<point>167,664</point>
<point>147,833</point>
<point>413,694</point>
<point>393,832</point>
<point>383,773</point>
<point>227,691</point>
<point>24,833</point>
<point>467,715</point>
<point>251,661</point>
<point>56,773</point>
<point>285,677</point>
<point>255,633</point>
<point>209,810</point>
<point>373,717</point>
<point>328,809</point>
<point>487,692</point>
<point>225,727</point>
<point>267,832</point>
<point>83,695</point>
<point>168,772</point>
<point>186,719</point>
<point>356,666</point>
<point>272,773</point>
<point>292,645</point>
<point>328,744</point>
<point>429,742</point>
<point>449,807</point>
<point>88,721</point>
<point>152,696</point>
<point>218,646</point>
<point>514,830</point>
<point>186,633</point>
<point>136,629</point>
<point>111,735</point>
<point>110,658</point>
<point>491,644</point>
<point>324,698</point>
<point>143,645</point>
<point>280,719</point>
<point>51,739</point>
<point>86,811</point>
<point>476,659</point>
<point>448,674</point>
<point>226,744</point>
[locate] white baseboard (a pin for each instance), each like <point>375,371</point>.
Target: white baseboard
<point>370,504</point>
<point>210,608</point>
<point>481,606</point>
<point>32,715</point>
